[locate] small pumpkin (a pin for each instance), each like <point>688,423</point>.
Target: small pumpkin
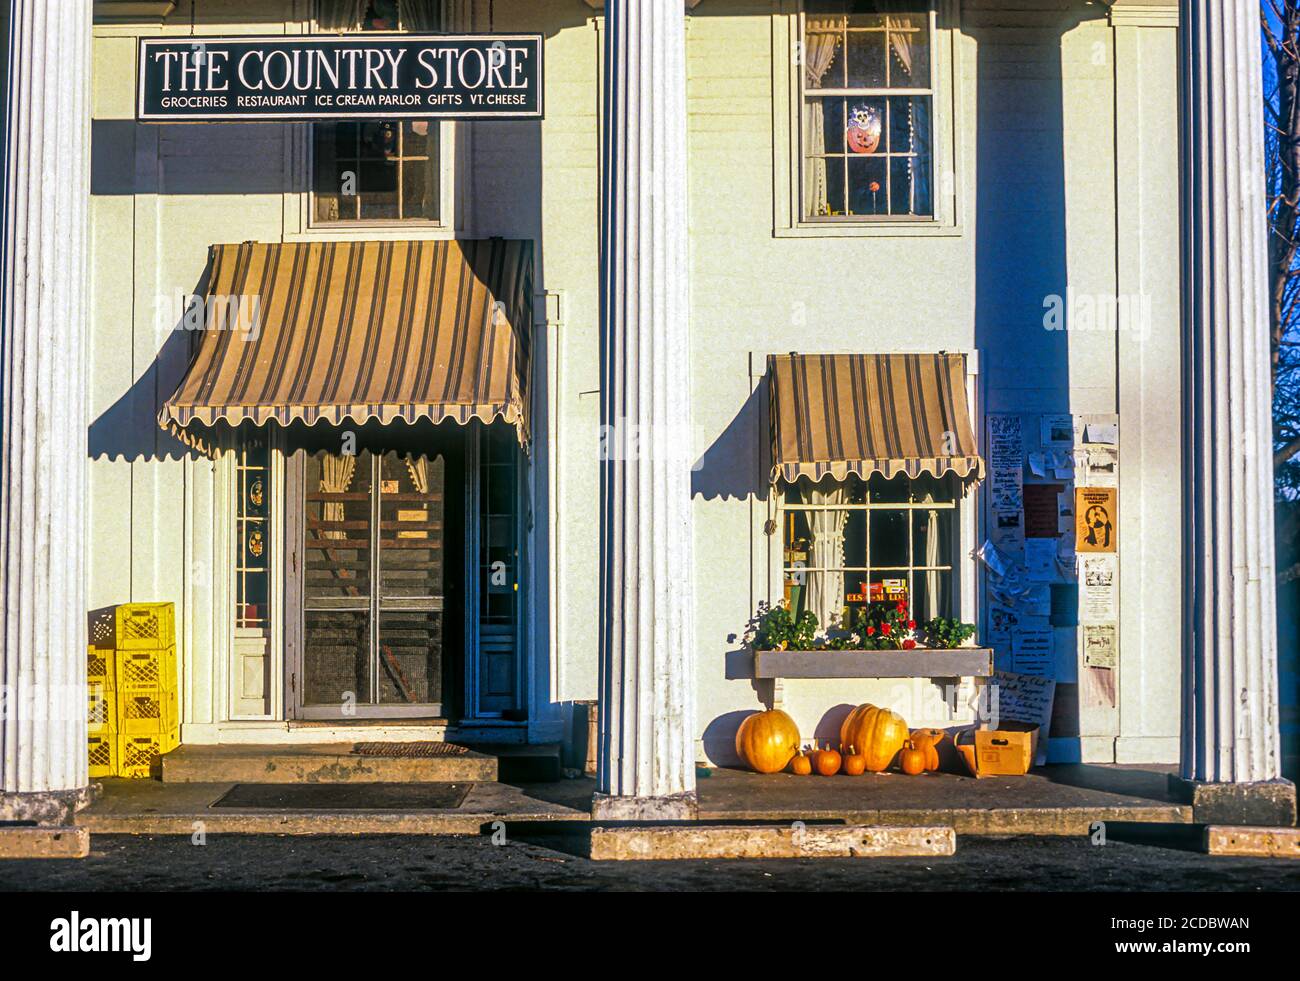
<point>828,762</point>
<point>801,764</point>
<point>928,740</point>
<point>912,760</point>
<point>877,733</point>
<point>854,763</point>
<point>767,741</point>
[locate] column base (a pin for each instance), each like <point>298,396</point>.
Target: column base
<point>1267,803</point>
<point>47,808</point>
<point>677,807</point>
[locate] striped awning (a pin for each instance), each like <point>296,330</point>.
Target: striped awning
<point>840,414</point>
<point>359,331</point>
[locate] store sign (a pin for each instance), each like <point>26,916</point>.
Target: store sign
<point>357,76</point>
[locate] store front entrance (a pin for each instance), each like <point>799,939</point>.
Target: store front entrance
<point>373,583</point>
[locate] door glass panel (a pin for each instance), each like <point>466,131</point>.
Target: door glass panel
<point>411,566</point>
<point>337,567</point>
<point>336,579</point>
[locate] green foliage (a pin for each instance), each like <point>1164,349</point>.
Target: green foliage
<point>946,632</point>
<point>776,628</point>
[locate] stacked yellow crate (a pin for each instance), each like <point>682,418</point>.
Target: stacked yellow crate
<point>141,684</point>
<point>101,709</point>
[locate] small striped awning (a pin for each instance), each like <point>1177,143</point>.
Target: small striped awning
<point>360,331</point>
<point>840,414</point>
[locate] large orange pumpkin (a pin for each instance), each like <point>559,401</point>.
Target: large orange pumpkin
<point>767,741</point>
<point>877,733</point>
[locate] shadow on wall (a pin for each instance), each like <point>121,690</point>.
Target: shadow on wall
<point>129,429</point>
<point>1020,256</point>
<point>1021,249</point>
<point>731,467</point>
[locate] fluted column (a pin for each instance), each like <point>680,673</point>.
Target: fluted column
<point>43,308</point>
<point>1230,718</point>
<point>647,664</point>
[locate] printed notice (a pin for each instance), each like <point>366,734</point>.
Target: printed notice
<point>1040,559</point>
<point>1021,698</point>
<point>1059,430</point>
<point>1006,463</point>
<point>1098,589</point>
<point>1102,466</point>
<point>1033,652</point>
<point>1096,515</point>
<point>1100,649</point>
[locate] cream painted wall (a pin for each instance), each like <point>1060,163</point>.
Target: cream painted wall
<point>1038,207</point>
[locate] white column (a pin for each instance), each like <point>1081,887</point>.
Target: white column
<point>43,414</point>
<point>647,662</point>
<point>1230,685</point>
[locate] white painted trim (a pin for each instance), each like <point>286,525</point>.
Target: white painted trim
<point>787,93</point>
<point>1162,15</point>
<point>1147,749</point>
<point>280,732</point>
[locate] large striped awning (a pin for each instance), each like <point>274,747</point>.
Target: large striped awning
<point>840,414</point>
<point>360,331</point>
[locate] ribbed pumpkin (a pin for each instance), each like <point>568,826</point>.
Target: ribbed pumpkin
<point>877,733</point>
<point>927,741</point>
<point>767,741</point>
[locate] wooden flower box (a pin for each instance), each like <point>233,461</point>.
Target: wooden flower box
<point>920,662</point>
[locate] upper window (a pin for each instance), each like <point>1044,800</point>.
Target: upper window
<point>867,93</point>
<point>850,543</point>
<point>382,171</point>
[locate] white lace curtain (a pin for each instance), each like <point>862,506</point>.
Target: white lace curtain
<point>826,528</point>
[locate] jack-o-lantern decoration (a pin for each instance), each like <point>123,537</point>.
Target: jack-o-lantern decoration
<point>862,129</point>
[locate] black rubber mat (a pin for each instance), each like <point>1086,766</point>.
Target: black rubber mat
<point>345,796</point>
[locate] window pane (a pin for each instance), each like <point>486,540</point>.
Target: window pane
<point>867,186</point>
<point>896,491</point>
<point>932,536</point>
<point>931,595</point>
<point>823,59</point>
<point>909,49</point>
<point>410,508</point>
<point>338,528</point>
<point>410,657</point>
<point>866,58</point>
<point>377,171</point>
<point>888,539</point>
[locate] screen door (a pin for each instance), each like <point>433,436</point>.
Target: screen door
<point>373,586</point>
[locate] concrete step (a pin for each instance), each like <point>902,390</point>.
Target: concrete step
<point>524,763</point>
<point>324,763</point>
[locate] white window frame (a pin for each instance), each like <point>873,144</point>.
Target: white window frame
<point>454,149</point>
<point>787,139</point>
<point>952,566</point>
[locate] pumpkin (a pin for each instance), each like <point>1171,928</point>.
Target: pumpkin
<point>801,764</point>
<point>912,760</point>
<point>854,763</point>
<point>927,741</point>
<point>878,733</point>
<point>828,762</point>
<point>767,741</point>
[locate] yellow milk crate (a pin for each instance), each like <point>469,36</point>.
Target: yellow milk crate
<point>101,628</point>
<point>142,712</point>
<point>147,670</point>
<point>101,710</point>
<point>145,626</point>
<point>99,668</point>
<point>102,755</point>
<point>137,755</point>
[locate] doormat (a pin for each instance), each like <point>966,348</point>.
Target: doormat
<point>346,796</point>
<point>420,749</point>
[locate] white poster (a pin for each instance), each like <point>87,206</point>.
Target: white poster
<point>1098,588</point>
<point>1059,430</point>
<point>1102,467</point>
<point>1006,463</point>
<point>1040,559</point>
<point>1100,648</point>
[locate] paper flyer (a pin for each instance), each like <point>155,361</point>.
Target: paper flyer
<point>1096,515</point>
<point>1098,589</point>
<point>1100,649</point>
<point>1059,430</point>
<point>1034,652</point>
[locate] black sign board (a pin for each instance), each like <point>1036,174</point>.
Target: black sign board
<point>354,76</point>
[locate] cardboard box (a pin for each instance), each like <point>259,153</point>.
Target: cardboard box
<point>1007,751</point>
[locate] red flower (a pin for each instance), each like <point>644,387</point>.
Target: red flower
<point>884,628</point>
<point>902,606</point>
<point>909,645</point>
<point>911,624</point>
<point>871,631</point>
